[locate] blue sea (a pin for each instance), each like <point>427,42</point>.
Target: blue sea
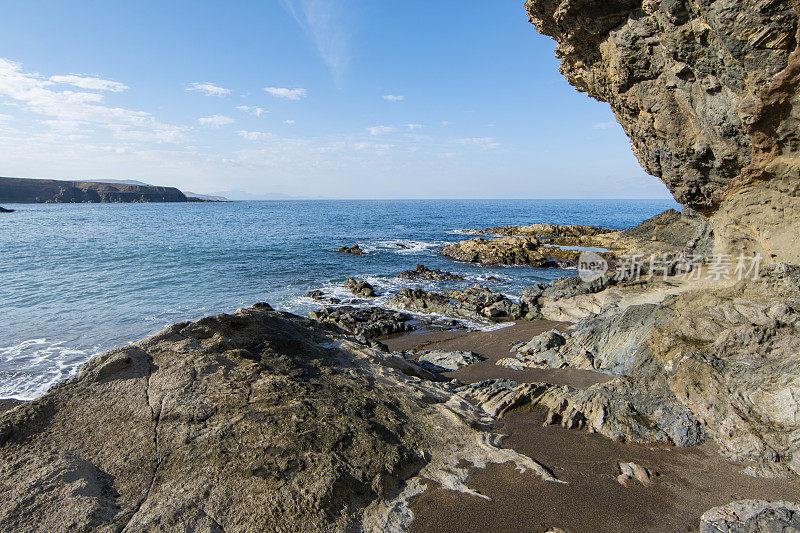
<point>78,279</point>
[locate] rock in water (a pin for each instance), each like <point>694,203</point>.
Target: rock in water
<point>423,272</point>
<point>368,321</point>
<point>4,210</point>
<point>252,421</point>
<point>360,288</point>
<point>708,93</point>
<point>752,516</point>
<point>354,250</point>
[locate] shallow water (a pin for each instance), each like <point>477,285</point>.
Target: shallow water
<point>76,279</point>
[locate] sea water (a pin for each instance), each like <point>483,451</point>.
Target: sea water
<point>77,279</point>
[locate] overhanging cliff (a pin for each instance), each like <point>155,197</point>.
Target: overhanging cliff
<point>708,92</point>
<point>21,190</point>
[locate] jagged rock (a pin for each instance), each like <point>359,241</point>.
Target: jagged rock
<point>439,361</point>
<point>620,409</point>
<point>573,286</point>
<point>423,272</point>
<point>354,250</point>
<point>474,303</point>
<point>504,251</point>
<point>252,421</point>
<point>752,516</point>
<point>360,288</point>
<point>368,321</point>
<point>707,92</point>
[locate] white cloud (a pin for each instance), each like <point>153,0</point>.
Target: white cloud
<point>446,123</point>
<point>326,23</point>
<point>380,130</point>
<point>5,118</point>
<point>487,143</point>
<point>257,111</point>
<point>90,82</point>
<point>215,120</point>
<point>289,122</point>
<point>393,98</point>
<point>36,94</point>
<point>209,89</point>
<point>289,94</point>
<point>603,125</point>
<point>255,135</point>
<point>412,127</point>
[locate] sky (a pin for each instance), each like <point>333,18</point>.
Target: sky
<point>310,98</point>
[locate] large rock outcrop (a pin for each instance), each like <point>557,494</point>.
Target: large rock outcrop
<point>252,421</point>
<point>707,91</point>
<point>26,191</point>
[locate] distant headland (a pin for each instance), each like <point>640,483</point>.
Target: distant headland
<point>37,191</point>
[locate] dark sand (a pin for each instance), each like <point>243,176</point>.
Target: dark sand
<point>495,345</point>
<point>690,480</point>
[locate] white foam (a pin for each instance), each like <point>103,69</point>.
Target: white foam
<point>402,246</point>
<point>33,366</point>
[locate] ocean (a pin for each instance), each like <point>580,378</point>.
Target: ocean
<point>78,279</point>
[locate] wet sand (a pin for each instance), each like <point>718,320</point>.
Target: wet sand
<point>495,345</point>
<point>689,482</point>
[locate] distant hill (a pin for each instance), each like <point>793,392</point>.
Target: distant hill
<point>24,190</point>
<point>239,195</point>
<point>123,182</point>
<point>206,197</point>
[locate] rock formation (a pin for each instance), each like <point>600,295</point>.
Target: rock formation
<point>19,190</point>
<point>708,93</point>
<point>4,210</point>
<point>423,272</point>
<point>252,421</point>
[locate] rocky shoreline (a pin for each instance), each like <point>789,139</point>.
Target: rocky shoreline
<point>660,394</point>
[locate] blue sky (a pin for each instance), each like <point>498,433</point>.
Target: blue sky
<point>333,98</point>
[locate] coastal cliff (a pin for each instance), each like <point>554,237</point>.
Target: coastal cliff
<point>708,93</point>
<point>36,191</point>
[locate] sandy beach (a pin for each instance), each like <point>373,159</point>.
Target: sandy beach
<point>689,481</point>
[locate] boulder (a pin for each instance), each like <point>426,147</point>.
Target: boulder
<point>370,322</point>
<point>752,516</point>
<point>360,288</point>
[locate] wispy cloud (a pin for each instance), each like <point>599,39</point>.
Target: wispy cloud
<point>289,122</point>
<point>215,120</point>
<point>289,94</point>
<point>393,98</point>
<point>253,110</point>
<point>90,82</point>
<point>381,130</point>
<point>412,127</point>
<point>327,23</point>
<point>487,143</point>
<point>446,123</point>
<point>603,125</point>
<point>209,89</point>
<point>82,110</point>
<point>255,135</point>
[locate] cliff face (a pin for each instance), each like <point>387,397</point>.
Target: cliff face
<point>709,93</point>
<point>19,190</point>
